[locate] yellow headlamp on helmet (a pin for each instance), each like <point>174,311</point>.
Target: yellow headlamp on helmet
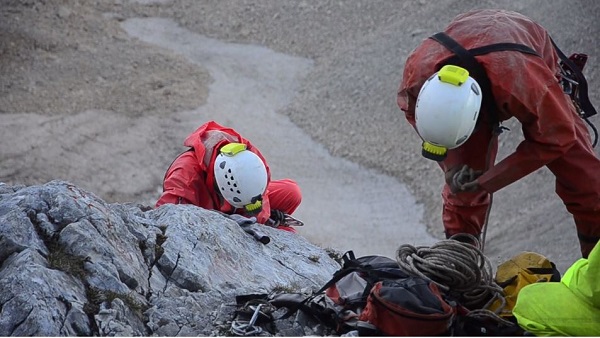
<point>453,75</point>
<point>231,149</point>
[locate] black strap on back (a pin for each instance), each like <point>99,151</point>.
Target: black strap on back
<point>466,59</point>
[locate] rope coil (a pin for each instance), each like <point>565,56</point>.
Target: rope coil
<point>458,268</point>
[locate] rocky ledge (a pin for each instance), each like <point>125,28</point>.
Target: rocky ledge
<point>72,264</point>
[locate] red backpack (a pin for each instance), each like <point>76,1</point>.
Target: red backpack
<point>411,306</point>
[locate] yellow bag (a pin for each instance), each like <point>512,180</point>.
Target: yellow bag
<point>521,270</point>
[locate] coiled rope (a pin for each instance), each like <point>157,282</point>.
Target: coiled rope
<point>458,268</point>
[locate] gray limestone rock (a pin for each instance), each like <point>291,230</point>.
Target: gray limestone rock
<point>72,264</point>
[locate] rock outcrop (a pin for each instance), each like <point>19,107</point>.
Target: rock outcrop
<point>72,264</point>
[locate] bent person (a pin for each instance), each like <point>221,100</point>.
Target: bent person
<point>455,91</point>
<point>223,171</point>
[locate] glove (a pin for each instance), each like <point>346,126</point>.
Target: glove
<point>241,220</point>
<point>462,179</point>
<point>277,218</point>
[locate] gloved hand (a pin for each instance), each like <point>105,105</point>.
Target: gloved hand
<point>241,220</point>
<point>462,179</point>
<point>277,218</point>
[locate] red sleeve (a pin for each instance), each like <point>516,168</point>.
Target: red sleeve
<point>535,98</point>
<point>184,183</point>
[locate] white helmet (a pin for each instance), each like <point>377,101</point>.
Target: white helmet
<point>241,177</point>
<point>446,111</point>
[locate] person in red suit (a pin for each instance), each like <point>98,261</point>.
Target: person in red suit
<point>223,171</point>
<point>454,113</point>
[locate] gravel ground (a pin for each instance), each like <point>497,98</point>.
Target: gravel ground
<point>84,99</point>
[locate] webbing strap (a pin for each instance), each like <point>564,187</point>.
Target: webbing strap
<point>503,46</point>
<point>467,59</point>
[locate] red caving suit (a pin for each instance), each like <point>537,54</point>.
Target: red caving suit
<point>525,87</point>
<point>190,178</point>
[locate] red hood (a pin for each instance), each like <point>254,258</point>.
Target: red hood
<point>213,135</point>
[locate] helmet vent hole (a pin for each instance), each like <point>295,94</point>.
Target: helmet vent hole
<point>239,192</point>
<point>237,200</point>
<point>222,165</point>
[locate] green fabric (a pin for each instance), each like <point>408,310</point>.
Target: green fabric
<point>584,279</point>
<point>568,308</point>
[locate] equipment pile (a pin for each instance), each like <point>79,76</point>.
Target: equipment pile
<point>446,289</point>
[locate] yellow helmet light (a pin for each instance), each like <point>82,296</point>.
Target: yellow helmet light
<point>231,149</point>
<point>453,75</point>
<point>433,152</point>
